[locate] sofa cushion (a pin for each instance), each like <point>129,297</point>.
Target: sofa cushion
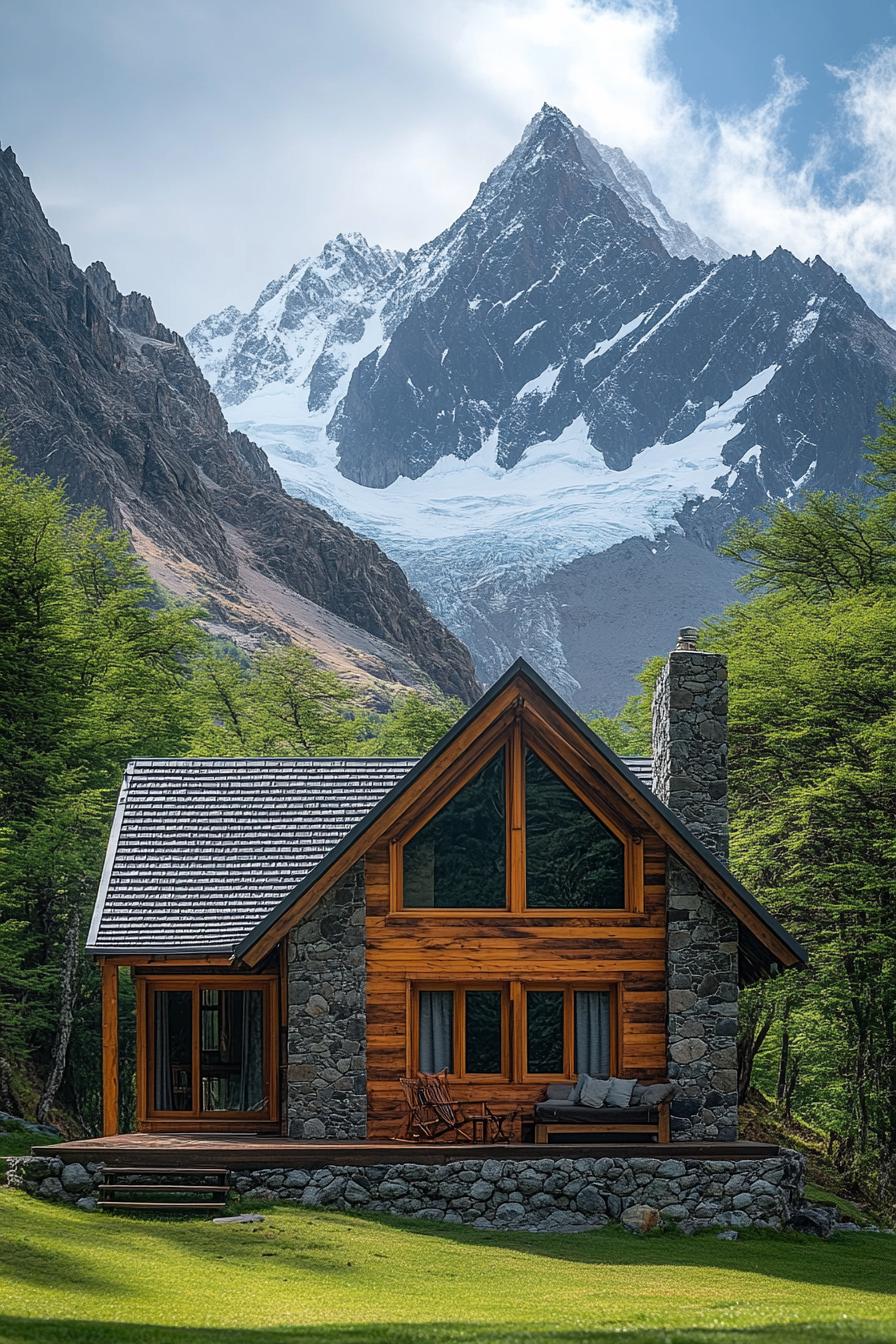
<point>565,1113</point>
<point>619,1093</point>
<point>652,1094</point>
<point>558,1092</point>
<point>593,1092</point>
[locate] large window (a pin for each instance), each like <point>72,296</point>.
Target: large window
<point>457,860</point>
<point>521,1031</point>
<point>462,1029</point>
<point>517,835</point>
<point>573,862</point>
<point>210,1048</point>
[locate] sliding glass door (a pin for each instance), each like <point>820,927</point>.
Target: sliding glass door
<point>210,1048</point>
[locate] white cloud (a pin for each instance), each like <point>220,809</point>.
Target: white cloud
<point>728,175</point>
<point>201,149</point>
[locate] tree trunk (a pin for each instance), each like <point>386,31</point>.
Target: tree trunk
<point>755,1023</point>
<point>69,975</point>
<point>8,1099</point>
<point>783,1065</point>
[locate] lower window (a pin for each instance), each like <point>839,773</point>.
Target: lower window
<point>462,1030</point>
<point>559,1032</point>
<point>209,1049</point>
<point>567,1031</point>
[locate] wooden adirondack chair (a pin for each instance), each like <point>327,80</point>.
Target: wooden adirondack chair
<point>434,1114</point>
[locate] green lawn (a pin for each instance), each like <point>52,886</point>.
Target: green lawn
<point>312,1277</point>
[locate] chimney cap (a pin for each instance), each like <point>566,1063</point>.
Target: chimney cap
<point>687,640</point>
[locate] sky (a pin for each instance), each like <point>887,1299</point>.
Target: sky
<point>200,147</point>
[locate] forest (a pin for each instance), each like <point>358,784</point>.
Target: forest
<point>97,667</point>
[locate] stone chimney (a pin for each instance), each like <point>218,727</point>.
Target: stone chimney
<point>690,740</point>
<point>690,775</point>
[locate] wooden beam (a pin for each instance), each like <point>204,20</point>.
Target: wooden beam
<point>109,985</point>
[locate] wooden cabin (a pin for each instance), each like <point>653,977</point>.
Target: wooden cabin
<point>518,908</point>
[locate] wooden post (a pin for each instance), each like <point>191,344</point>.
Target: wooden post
<point>109,978</point>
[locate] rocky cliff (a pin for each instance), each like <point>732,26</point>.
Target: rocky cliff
<point>96,391</point>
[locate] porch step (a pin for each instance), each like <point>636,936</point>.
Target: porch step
<point>164,1196</point>
<point>169,1206</point>
<point>204,1189</point>
<point>166,1171</point>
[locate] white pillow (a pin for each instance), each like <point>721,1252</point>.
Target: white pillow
<point>594,1092</point>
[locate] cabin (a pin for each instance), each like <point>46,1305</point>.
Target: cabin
<point>518,909</point>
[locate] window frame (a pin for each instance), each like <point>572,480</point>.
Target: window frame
<point>458,1028</point>
<point>149,986</point>
<point>514,742</point>
<point>514,1026</point>
<point>568,989</point>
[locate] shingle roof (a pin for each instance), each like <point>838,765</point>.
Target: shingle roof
<point>202,850</point>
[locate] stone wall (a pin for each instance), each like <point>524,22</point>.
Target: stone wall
<point>327,1025</point>
<point>690,775</point>
<point>545,1194</point>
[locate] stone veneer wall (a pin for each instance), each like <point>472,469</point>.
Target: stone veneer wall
<point>327,1026</point>
<point>690,775</point>
<point>543,1194</point>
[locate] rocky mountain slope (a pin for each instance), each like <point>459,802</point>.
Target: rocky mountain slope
<point>93,389</point>
<point>550,413</point>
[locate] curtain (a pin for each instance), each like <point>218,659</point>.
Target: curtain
<point>436,1037</point>
<point>592,1038</point>
<point>250,1094</point>
<point>164,1095</point>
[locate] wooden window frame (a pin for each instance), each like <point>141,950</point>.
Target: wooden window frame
<point>514,741</point>
<point>568,989</point>
<point>458,1027</point>
<point>514,1026</point>
<point>148,1115</point>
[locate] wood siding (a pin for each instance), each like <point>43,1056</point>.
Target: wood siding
<point>626,951</point>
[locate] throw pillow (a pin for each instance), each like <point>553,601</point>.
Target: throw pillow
<point>594,1091</point>
<point>620,1092</point>
<point>576,1093</point>
<point>656,1093</point>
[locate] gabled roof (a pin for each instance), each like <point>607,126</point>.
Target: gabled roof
<point>766,944</point>
<point>202,850</point>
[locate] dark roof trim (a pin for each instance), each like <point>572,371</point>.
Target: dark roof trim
<point>521,667</point>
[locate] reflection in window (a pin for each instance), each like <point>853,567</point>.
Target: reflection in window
<point>231,1034</point>
<point>544,1031</point>
<point>573,862</point>
<point>173,1050</point>
<point>482,1030</point>
<point>457,859</point>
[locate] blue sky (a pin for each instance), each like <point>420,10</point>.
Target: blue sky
<point>724,50</point>
<point>200,147</point>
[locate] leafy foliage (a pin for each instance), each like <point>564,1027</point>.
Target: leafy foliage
<point>812,663</point>
<point>96,668</point>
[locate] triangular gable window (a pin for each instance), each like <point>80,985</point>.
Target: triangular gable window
<point>458,859</point>
<point>573,861</point>
<point>515,834</point>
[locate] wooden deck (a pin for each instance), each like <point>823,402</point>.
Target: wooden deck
<point>190,1151</point>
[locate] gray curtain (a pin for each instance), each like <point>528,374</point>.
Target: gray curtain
<point>250,1096</point>
<point>592,1039</point>
<point>164,1095</point>
<point>436,1041</point>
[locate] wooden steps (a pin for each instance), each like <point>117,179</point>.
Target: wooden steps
<point>165,1196</point>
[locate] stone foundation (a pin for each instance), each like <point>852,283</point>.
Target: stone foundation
<point>546,1194</point>
<point>327,1028</point>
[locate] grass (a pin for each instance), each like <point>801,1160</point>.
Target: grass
<point>318,1277</point>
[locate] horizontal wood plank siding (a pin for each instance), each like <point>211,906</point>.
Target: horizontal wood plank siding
<point>403,949</point>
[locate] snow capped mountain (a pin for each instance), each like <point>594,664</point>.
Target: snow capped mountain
<point>549,413</point>
<point>306,330</point>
